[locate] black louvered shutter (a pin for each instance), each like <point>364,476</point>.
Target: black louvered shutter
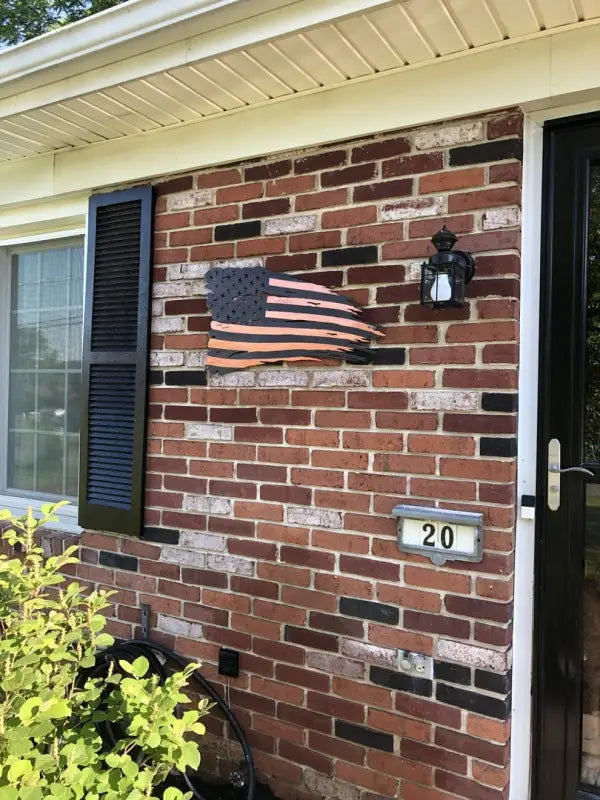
<point>115,358</point>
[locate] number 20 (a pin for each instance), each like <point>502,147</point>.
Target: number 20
<point>446,536</point>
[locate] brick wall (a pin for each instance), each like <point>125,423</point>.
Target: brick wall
<point>270,491</point>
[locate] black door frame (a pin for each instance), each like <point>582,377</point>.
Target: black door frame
<point>568,149</point>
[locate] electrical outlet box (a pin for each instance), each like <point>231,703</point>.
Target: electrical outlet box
<point>229,662</point>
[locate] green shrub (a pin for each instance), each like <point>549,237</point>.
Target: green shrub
<point>50,632</point>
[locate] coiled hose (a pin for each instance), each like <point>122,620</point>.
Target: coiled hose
<point>129,651</point>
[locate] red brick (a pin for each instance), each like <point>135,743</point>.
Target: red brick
<point>369,234</point>
<point>363,692</point>
<point>249,510</point>
<point>354,174</point>
<point>372,441</point>
<point>389,764</point>
<point>278,651</point>
<point>307,558</point>
<point>266,208</point>
<point>322,160</point>
<point>315,241</point>
<point>237,194</point>
<point>409,598</point>
<point>406,420</point>
<point>383,148</point>
<point>452,490</point>
<point>211,469</point>
<point>282,533</point>
<point>257,247</point>
<point>290,186</point>
<point>415,379</point>
<point>214,616</point>
<point>490,776</point>
<point>464,787</point>
<point>379,190</point>
<point>255,626</point>
<point>488,729</point>
<point>303,677</point>
<point>343,585</point>
<point>259,433</point>
<point>428,227</point>
<point>336,747</point>
<point>369,568</point>
<point>327,199</point>
<point>180,590</point>
<point>479,379</point>
<point>492,634</point>
<point>485,198</point>
<point>209,252</point>
<point>409,165</point>
<point>452,179</point>
<point>165,222</point>
<point>497,590</point>
<point>273,169</point>
<point>318,398</point>
<point>339,459</point>
<point>480,423</point>
<point>317,477</point>
<point>510,124</point>
<point>409,334</point>
<point>256,588</point>
<point>336,707</point>
<point>428,709</point>
<point>286,494</point>
<point>222,177</point>
<point>442,355</point>
<point>190,236</point>
<point>312,438</point>
<point>178,184</point>
<point>170,255</point>
<point>277,690</point>
<point>284,574</point>
<point>345,501</point>
<point>304,755</point>
<point>347,217</point>
<point>479,609</point>
<point>376,274</point>
<point>500,354</point>
<point>308,598</point>
<point>375,780</point>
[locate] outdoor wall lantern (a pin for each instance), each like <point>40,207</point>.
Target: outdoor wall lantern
<point>445,275</point>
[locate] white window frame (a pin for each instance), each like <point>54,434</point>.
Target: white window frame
<point>18,504</point>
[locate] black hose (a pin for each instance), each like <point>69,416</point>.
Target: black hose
<point>137,647</point>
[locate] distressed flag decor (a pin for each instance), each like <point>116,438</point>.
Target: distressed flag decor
<point>260,317</point>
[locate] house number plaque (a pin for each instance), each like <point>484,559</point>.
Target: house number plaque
<point>439,534</point>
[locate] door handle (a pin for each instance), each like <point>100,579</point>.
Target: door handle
<point>554,472</point>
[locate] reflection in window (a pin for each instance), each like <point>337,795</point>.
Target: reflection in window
<point>592,392</point>
<point>45,365</point>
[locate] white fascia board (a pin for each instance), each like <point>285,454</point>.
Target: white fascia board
<point>113,57</point>
<point>44,219</point>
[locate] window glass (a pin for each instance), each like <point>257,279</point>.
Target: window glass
<point>46,312</point>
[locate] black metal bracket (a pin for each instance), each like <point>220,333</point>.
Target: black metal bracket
<point>145,621</point>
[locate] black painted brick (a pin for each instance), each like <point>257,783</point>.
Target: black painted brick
<point>478,703</point>
<point>366,736</point>
<point>156,377</point>
<point>342,256</point>
<point>488,151</point>
<point>401,681</point>
<point>502,447</point>
<point>162,535</point>
<point>493,682</point>
<point>107,559</point>
<point>237,230</point>
<point>387,355</point>
<point>499,401</point>
<point>365,609</point>
<point>454,673</point>
<point>186,377</point>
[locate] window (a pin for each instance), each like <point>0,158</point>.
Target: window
<point>44,292</point>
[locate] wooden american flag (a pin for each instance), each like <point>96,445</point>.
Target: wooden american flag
<point>260,317</point>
